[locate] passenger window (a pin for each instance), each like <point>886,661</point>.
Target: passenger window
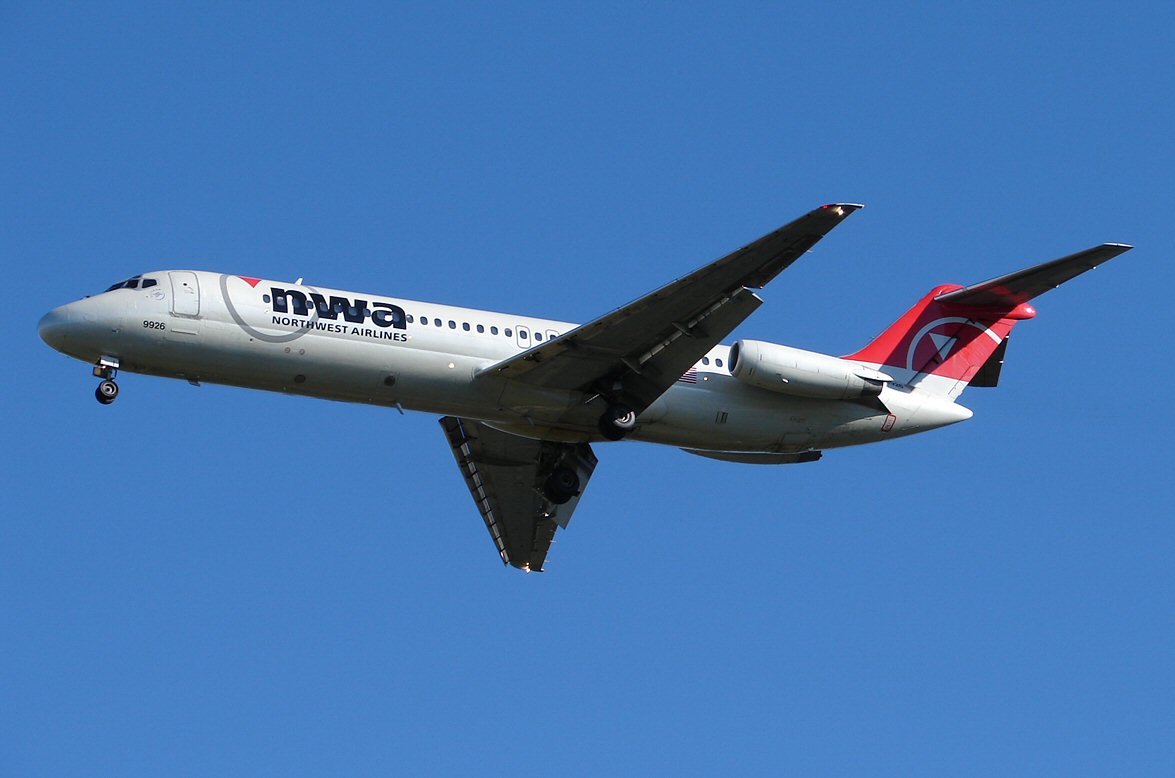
<point>465,326</point>
<point>493,330</point>
<point>452,324</point>
<point>718,362</point>
<point>409,318</point>
<point>538,336</point>
<point>481,328</point>
<point>523,334</point>
<point>509,333</point>
<point>436,322</point>
<point>705,360</point>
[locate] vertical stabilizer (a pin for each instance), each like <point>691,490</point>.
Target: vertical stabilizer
<point>957,335</point>
<point>939,347</point>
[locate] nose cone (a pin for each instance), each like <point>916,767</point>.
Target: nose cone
<point>54,327</point>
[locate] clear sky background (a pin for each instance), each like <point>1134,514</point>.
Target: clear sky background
<point>212,581</point>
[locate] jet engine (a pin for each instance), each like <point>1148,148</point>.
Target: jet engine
<point>803,373</point>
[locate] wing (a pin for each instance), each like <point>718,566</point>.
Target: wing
<point>508,478</point>
<point>639,351</point>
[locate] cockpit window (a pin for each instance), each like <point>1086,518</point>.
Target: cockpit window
<point>138,282</point>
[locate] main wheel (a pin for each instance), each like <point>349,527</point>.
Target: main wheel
<point>106,392</point>
<point>561,485</point>
<point>617,421</point>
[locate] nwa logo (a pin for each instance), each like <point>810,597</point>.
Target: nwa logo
<point>943,338</point>
<point>328,309</point>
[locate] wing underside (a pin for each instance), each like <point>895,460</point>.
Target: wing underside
<point>505,474</point>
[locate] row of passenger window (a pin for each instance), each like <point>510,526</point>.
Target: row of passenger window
<point>508,332</point>
<point>481,328</point>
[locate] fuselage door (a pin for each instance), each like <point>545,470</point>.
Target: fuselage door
<point>523,336</point>
<point>185,293</point>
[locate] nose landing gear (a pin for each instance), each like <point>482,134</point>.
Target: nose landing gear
<point>106,392</point>
<point>106,369</point>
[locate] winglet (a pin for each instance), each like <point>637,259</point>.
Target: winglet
<point>842,209</point>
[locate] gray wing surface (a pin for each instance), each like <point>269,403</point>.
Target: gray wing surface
<point>505,474</point>
<point>645,346</point>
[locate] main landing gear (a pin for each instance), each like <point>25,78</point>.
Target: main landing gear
<point>617,421</point>
<point>106,369</point>
<point>561,485</point>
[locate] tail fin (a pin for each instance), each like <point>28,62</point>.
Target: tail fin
<point>956,336</point>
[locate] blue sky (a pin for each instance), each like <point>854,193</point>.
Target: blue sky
<point>200,581</point>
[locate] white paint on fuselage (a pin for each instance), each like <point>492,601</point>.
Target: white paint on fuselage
<point>429,367</point>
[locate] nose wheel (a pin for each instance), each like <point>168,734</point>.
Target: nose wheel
<point>106,392</point>
<point>106,369</point>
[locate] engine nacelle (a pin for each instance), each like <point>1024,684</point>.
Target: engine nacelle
<point>803,373</point>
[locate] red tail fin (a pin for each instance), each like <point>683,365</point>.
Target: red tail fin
<point>948,341</point>
<point>944,341</point>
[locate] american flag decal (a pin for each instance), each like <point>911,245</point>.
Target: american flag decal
<point>690,376</point>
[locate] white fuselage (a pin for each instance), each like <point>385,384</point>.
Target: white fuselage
<point>224,329</point>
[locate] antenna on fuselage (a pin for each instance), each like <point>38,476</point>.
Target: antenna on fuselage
<point>298,282</point>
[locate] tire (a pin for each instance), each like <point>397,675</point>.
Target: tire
<point>106,392</point>
<point>617,421</point>
<point>561,485</point>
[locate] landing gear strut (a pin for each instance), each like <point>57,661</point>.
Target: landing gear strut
<point>106,369</point>
<point>617,421</point>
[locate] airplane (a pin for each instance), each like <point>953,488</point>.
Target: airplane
<point>523,399</point>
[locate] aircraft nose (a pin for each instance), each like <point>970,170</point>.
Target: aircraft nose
<point>54,327</point>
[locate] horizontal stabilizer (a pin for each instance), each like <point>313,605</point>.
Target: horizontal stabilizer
<point>756,458</point>
<point>1006,292</point>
